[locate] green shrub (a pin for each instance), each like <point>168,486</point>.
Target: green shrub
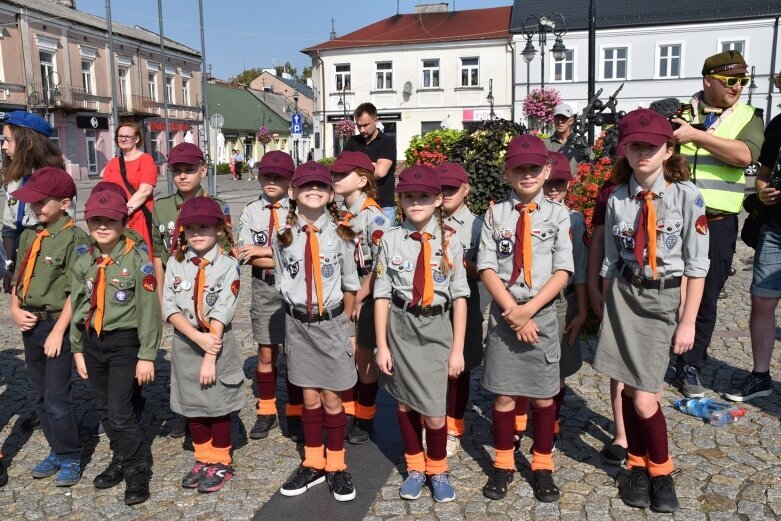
<point>432,148</point>
<point>327,161</point>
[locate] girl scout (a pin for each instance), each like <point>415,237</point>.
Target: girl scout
<point>354,180</point>
<point>260,222</point>
<point>466,227</point>
<point>524,262</point>
<point>656,234</point>
<point>115,332</point>
<point>317,276</point>
<point>199,300</point>
<point>420,277</point>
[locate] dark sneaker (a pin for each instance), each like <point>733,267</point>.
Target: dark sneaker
<point>3,474</point>
<point>47,467</point>
<point>302,480</point>
<point>69,474</point>
<point>753,387</point>
<point>361,432</point>
<point>112,476</point>
<point>195,475</point>
<point>636,492</point>
<point>295,431</point>
<point>215,477</point>
<point>500,479</point>
<point>348,427</point>
<point>136,486</point>
<point>178,427</point>
<point>31,423</point>
<point>341,485</point>
<point>614,454</point>
<point>263,425</point>
<point>690,382</point>
<point>545,489</point>
<point>663,497</point>
<point>98,430</point>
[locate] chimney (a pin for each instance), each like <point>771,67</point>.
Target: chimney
<point>431,8</point>
<point>65,3</point>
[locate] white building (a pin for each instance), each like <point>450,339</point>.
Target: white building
<point>422,71</point>
<point>656,49</point>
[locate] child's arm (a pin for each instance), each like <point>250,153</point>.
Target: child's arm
<point>596,253</point>
<point>363,292</point>
<point>384,359</point>
<point>575,325</point>
<point>23,319</point>
<point>455,363</point>
<point>157,263</point>
<point>53,343</point>
<point>78,297</point>
<point>488,266</point>
<point>349,303</point>
<point>683,338</point>
<point>149,325</point>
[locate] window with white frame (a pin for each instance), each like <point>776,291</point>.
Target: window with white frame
<point>124,85</point>
<point>87,76</point>
<point>431,73</point>
<point>669,61</point>
<point>152,82</point>
<point>47,71</point>
<point>470,72</point>
<point>614,63</point>
<point>185,91</point>
<point>384,75</point>
<point>169,87</point>
<point>564,70</point>
<point>733,45</point>
<point>342,76</point>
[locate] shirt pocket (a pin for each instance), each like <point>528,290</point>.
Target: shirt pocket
<point>122,291</point>
<point>330,267</point>
<point>51,266</point>
<point>542,238</point>
<point>669,232</point>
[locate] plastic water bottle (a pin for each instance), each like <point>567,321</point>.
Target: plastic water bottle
<point>723,417</point>
<point>716,413</point>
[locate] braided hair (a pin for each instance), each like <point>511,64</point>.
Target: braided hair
<point>444,263</point>
<point>343,230</point>
<point>285,237</point>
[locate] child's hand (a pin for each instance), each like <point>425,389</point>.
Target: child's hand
<point>528,333</point>
<point>81,367</point>
<point>23,319</point>
<point>517,316</point>
<point>360,297</point>
<point>455,364</point>
<point>597,301</point>
<point>683,338</point>
<point>53,344</point>
<point>574,327</point>
<point>145,372</point>
<point>384,361</point>
<point>248,252</point>
<point>209,343</point>
<point>208,374</point>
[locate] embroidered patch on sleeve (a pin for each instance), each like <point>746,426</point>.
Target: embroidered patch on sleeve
<point>150,284</point>
<point>235,287</point>
<point>701,225</point>
<point>376,237</point>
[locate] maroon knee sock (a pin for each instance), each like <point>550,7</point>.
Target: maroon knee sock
<point>367,393</point>
<point>654,432</point>
<point>635,444</point>
<point>334,430</point>
<point>295,395</point>
<point>542,424</point>
<point>312,421</point>
<point>521,405</point>
<point>200,430</point>
<point>504,428</point>
<point>267,384</point>
<point>411,431</point>
<point>457,395</point>
<point>436,443</point>
<point>558,400</point>
<point>348,395</point>
<point>221,431</point>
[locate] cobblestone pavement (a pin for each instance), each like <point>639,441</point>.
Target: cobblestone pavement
<point>728,473</point>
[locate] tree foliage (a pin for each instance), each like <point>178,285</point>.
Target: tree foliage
<point>288,68</point>
<point>248,75</point>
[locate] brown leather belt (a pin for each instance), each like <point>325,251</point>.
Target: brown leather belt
<point>308,318</point>
<point>42,314</point>
<point>419,311</point>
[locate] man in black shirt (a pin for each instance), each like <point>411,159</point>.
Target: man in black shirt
<point>381,149</point>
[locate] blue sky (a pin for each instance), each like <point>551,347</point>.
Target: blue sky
<point>256,33</point>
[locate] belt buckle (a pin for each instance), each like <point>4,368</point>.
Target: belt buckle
<point>637,281</point>
<point>425,311</point>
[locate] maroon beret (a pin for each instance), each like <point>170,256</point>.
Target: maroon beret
<point>311,172</point>
<point>200,210</point>
<point>644,125</point>
<point>419,178</point>
<point>525,150</point>
<point>560,167</point>
<point>349,161</point>
<point>106,203</point>
<point>277,162</point>
<point>108,186</point>
<point>187,153</point>
<point>47,182</point>
<point>451,174</point>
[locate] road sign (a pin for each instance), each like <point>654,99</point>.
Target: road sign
<point>297,119</point>
<point>217,121</point>
<point>296,126</point>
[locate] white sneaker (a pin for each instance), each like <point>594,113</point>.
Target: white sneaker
<point>453,445</point>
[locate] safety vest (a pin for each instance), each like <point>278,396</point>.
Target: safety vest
<point>722,185</point>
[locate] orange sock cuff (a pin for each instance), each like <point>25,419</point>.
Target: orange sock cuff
<point>660,469</point>
<point>520,422</point>
<point>633,461</point>
<point>542,461</point>
<point>293,410</point>
<point>267,407</point>
<point>556,427</point>
<point>416,462</point>
<point>334,460</point>
<point>365,412</point>
<point>434,466</point>
<point>203,451</point>
<point>455,427</point>
<point>349,408</point>
<point>221,455</point>
<point>504,459</point>
<point>314,457</point>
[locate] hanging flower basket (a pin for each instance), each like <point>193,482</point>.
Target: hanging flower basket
<point>345,128</point>
<point>263,135</point>
<point>538,108</point>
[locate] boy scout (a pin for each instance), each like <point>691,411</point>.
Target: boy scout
<point>116,329</point>
<point>41,307</point>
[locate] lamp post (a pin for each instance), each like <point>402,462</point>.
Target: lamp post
<point>345,107</point>
<point>490,98</point>
<point>540,25</point>
<point>751,86</point>
<point>304,115</point>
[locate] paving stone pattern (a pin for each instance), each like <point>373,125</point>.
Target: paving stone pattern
<point>725,473</point>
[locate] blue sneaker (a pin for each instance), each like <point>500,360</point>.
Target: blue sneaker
<point>413,485</point>
<point>441,488</point>
<point>47,467</point>
<point>69,475</point>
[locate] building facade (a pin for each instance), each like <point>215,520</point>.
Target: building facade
<point>285,85</point>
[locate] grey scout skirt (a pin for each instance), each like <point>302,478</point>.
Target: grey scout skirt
<point>267,313</point>
<point>634,345</point>
<point>571,358</point>
<point>514,368</point>
<point>188,397</point>
<point>420,347</point>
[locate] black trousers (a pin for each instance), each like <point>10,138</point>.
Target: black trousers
<point>51,379</point>
<point>111,360</point>
<point>722,236</point>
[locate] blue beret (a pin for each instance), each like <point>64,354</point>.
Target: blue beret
<point>20,118</point>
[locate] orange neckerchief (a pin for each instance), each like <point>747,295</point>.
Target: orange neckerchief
<point>98,298</point>
<point>423,280</point>
<point>522,257</point>
<point>312,267</point>
<point>28,264</point>
<point>198,289</point>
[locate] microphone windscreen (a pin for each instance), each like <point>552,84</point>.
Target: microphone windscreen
<point>667,107</point>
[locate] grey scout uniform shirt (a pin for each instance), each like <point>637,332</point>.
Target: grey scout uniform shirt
<point>551,244</point>
<point>219,300</point>
<point>467,227</point>
<point>371,224</point>
<point>681,249</point>
<point>253,224</point>
<point>337,266</point>
<point>398,256</point>
<point>579,249</point>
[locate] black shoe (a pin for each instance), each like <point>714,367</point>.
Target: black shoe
<point>31,423</point>
<point>263,425</point>
<point>496,487</point>
<point>302,480</point>
<point>361,432</point>
<point>340,485</point>
<point>517,442</point>
<point>663,497</point>
<point>614,454</point>
<point>753,386</point>
<point>689,381</point>
<point>545,489</point>
<point>349,426</point>
<point>136,486</point>
<point>178,427</point>
<point>3,474</point>
<point>112,476</point>
<point>195,475</point>
<point>636,492</point>
<point>295,431</point>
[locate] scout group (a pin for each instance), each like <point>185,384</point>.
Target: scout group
<point>358,303</point>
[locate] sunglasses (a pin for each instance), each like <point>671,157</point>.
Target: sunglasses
<point>731,81</point>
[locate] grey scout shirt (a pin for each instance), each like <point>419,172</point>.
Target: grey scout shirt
<point>681,230</point>
<point>221,288</point>
<point>370,224</point>
<point>551,244</point>
<point>467,227</point>
<point>337,266</point>
<point>579,247</point>
<point>398,256</point>
<point>253,224</point>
